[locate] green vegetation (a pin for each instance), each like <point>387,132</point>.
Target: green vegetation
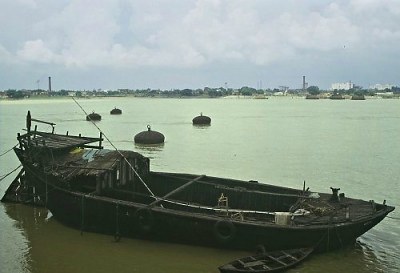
<point>206,92</point>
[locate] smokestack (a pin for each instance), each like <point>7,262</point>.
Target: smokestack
<point>49,84</point>
<point>304,83</point>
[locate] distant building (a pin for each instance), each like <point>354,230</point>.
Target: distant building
<point>342,86</point>
<point>381,87</point>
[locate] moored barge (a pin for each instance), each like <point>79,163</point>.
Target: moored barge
<point>116,192</point>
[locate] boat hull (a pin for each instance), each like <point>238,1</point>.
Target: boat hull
<point>119,218</point>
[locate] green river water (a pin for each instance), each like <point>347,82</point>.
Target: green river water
<point>353,145</point>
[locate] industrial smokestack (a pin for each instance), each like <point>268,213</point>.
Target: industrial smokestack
<point>304,83</point>
<point>49,84</point>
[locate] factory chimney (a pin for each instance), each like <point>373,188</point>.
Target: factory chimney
<point>304,83</point>
<point>49,84</point>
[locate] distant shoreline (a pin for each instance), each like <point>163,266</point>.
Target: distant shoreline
<point>230,97</point>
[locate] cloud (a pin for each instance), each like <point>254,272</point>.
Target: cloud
<point>174,34</point>
<point>82,34</point>
<point>36,51</point>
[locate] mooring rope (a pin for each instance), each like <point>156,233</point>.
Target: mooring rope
<point>126,160</point>
<point>4,176</point>
<point>9,150</point>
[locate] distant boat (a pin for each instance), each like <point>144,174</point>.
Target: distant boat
<point>116,111</point>
<point>336,96</point>
<point>312,97</point>
<point>273,261</point>
<point>93,116</point>
<point>261,97</point>
<point>358,97</point>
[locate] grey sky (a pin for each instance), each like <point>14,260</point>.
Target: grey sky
<point>86,44</point>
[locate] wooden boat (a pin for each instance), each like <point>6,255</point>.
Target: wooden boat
<point>115,192</point>
<point>336,96</point>
<point>273,261</point>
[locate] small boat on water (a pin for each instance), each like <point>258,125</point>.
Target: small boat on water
<point>358,97</point>
<point>336,96</point>
<point>116,192</point>
<point>273,261</point>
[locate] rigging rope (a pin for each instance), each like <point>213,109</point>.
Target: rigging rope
<point>4,176</point>
<point>9,150</point>
<point>126,160</point>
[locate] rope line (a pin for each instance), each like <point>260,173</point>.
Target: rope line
<point>4,176</point>
<point>8,150</point>
<point>126,160</point>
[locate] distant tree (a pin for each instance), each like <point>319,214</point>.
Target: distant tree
<point>313,90</point>
<point>247,91</point>
<point>14,94</point>
<point>63,92</point>
<point>186,92</point>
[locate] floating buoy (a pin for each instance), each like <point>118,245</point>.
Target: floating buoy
<point>93,116</point>
<point>202,120</point>
<point>149,137</point>
<point>116,111</point>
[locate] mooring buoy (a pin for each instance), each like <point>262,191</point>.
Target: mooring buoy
<point>116,111</point>
<point>149,137</point>
<point>93,116</point>
<point>201,120</point>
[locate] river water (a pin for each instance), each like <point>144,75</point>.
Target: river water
<point>353,145</point>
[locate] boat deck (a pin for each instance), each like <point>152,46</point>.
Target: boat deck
<point>56,141</point>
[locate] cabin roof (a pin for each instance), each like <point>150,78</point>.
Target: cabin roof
<point>90,162</point>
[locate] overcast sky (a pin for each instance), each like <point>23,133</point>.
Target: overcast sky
<point>167,44</point>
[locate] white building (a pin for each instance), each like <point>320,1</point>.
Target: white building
<point>381,87</point>
<point>342,86</point>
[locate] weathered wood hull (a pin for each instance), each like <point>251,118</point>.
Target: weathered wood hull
<point>121,218</point>
<point>265,262</point>
<point>114,192</point>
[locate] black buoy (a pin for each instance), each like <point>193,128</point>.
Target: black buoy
<point>202,120</point>
<point>116,111</point>
<point>149,137</point>
<point>93,116</point>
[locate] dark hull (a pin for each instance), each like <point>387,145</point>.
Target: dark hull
<point>120,218</point>
<point>273,261</point>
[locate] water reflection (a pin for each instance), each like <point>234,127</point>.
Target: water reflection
<point>38,243</point>
<point>52,247</point>
<point>15,238</point>
<point>357,258</point>
<point>201,126</point>
<point>150,150</point>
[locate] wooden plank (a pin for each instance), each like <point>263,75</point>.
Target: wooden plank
<point>290,256</point>
<point>175,191</point>
<point>276,260</point>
